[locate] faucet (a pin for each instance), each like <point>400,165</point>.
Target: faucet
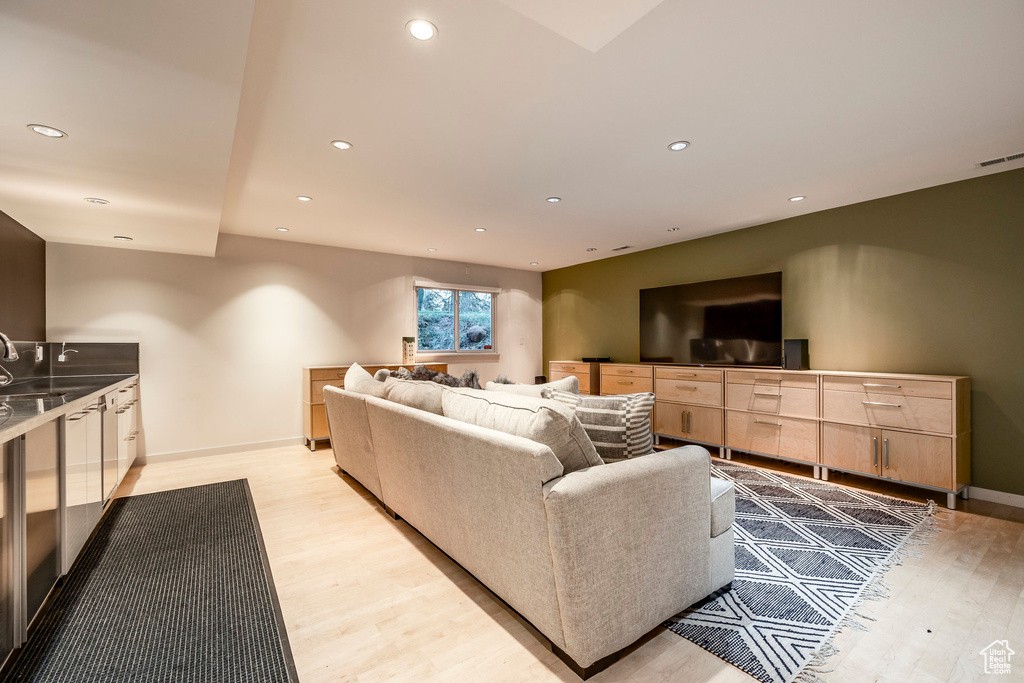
<point>9,353</point>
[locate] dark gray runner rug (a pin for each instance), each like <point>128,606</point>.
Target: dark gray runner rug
<point>174,586</point>
<point>807,554</point>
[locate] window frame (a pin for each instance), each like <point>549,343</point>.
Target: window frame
<point>476,289</point>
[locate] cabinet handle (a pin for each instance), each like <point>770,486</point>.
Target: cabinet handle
<point>766,379</point>
<point>887,386</point>
<point>874,454</point>
<point>73,418</point>
<point>689,388</point>
<point>689,421</point>
<point>879,403</point>
<point>774,424</point>
<point>685,374</point>
<point>682,421</point>
<point>341,374</point>
<point>763,393</point>
<point>625,381</point>
<point>885,452</point>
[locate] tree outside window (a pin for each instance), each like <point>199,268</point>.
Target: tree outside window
<point>440,312</point>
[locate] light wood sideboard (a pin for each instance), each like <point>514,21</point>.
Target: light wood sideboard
<point>588,374</point>
<point>914,429</point>
<point>314,379</point>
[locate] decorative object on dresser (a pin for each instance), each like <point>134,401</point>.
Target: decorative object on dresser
<point>589,374</point>
<point>315,378</point>
<point>408,350</point>
<point>807,553</point>
<point>796,355</point>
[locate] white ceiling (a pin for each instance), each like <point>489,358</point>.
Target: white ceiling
<point>512,102</point>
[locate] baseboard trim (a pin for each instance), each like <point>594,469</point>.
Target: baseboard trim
<point>1013,499</point>
<point>217,450</point>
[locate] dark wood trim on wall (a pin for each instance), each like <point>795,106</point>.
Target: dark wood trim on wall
<point>22,281</point>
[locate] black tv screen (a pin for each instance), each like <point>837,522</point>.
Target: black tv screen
<point>720,322</point>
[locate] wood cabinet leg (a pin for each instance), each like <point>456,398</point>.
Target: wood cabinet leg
<point>951,501</point>
<point>824,474</point>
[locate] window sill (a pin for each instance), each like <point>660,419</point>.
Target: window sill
<point>481,356</point>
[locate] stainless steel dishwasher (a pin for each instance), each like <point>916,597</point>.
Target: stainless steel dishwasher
<point>42,516</point>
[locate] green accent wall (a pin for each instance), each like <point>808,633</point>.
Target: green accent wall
<point>930,281</point>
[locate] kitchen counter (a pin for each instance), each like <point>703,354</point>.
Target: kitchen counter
<point>21,415</point>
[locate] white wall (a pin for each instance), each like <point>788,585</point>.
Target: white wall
<point>223,340</point>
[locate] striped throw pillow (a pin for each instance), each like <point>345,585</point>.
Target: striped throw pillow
<point>619,426</point>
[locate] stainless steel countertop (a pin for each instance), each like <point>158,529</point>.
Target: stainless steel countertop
<point>19,416</point>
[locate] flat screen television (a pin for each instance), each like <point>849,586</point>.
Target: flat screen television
<point>720,322</point>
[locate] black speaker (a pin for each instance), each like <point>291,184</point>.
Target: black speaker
<point>795,355</point>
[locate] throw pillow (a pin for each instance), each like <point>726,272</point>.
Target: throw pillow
<point>546,422</point>
<point>570,384</point>
<point>359,381</point>
<point>422,395</point>
<point>619,426</point>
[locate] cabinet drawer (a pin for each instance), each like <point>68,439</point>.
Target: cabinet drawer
<point>689,374</point>
<point>918,459</point>
<point>778,400</point>
<point>688,422</point>
<point>570,368</point>
<point>689,391</point>
<point>612,384</point>
<point>316,388</point>
<point>785,437</point>
<point>848,447</point>
<point>319,374</point>
<point>768,378</point>
<point>645,371</point>
<point>893,386</point>
<point>887,410</point>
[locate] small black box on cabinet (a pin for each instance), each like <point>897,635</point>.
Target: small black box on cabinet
<point>795,355</point>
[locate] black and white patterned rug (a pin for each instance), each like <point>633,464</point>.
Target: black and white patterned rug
<point>807,553</point>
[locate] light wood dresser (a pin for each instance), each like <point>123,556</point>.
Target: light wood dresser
<point>589,374</point>
<point>914,429</point>
<point>314,379</point>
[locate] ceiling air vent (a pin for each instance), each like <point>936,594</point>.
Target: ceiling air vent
<point>628,246</point>
<point>1000,160</point>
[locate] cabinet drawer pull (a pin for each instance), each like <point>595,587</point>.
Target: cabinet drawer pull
<point>77,416</point>
<point>887,386</point>
<point>689,421</point>
<point>766,379</point>
<point>874,452</point>
<point>773,424</point>
<point>885,452</point>
<point>762,393</point>
<point>625,381</point>
<point>682,421</point>
<point>879,403</point>
<point>685,374</point>
<point>688,388</point>
<point>341,374</point>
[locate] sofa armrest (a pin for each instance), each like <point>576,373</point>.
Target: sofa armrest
<point>630,542</point>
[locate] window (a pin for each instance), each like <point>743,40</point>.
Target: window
<point>441,311</point>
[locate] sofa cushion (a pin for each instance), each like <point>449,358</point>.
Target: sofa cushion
<point>570,384</point>
<point>619,426</point>
<point>359,381</point>
<point>422,395</point>
<point>546,422</point>
<point>723,505</point>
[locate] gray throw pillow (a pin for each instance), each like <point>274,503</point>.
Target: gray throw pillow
<point>570,384</point>
<point>619,426</point>
<point>546,422</point>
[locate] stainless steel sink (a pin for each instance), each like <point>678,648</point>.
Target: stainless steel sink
<point>22,397</point>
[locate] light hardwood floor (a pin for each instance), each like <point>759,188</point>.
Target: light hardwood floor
<point>368,599</point>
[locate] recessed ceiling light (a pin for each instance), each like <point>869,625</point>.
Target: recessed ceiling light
<point>421,29</point>
<point>96,200</point>
<point>673,229</point>
<point>48,131</point>
<point>679,145</point>
<point>341,144</point>
<point>281,229</point>
<point>304,198</point>
<point>798,198</point>
<point>554,200</point>
<point>122,238</point>
<point>481,229</point>
<point>534,263</point>
<point>431,249</point>
<point>592,249</point>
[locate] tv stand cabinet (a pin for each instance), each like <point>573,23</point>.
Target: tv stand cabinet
<point>908,428</point>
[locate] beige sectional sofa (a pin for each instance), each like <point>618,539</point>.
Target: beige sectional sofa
<point>594,558</point>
